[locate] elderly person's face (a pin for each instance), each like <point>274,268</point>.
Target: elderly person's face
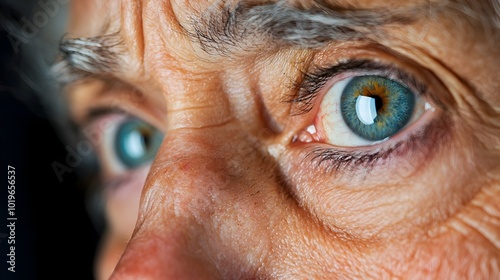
<point>295,140</point>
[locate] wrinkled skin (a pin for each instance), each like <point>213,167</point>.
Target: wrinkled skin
<point>231,195</point>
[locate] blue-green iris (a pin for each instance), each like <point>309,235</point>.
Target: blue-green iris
<point>375,108</point>
<point>136,142</point>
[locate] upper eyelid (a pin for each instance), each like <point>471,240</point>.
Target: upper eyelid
<point>94,114</point>
<point>314,81</point>
<point>111,96</point>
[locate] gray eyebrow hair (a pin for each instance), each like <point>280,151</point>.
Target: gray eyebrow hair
<point>282,23</point>
<point>83,57</point>
<point>225,29</point>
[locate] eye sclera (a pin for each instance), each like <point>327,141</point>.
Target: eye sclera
<point>315,132</point>
<point>106,124</point>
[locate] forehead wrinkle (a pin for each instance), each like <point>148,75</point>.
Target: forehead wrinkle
<point>165,42</point>
<point>132,25</point>
<point>90,18</point>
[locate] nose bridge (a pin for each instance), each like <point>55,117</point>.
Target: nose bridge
<point>197,174</point>
<point>194,166</point>
<point>202,137</point>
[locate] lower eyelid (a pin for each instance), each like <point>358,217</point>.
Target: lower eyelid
<point>115,183</point>
<point>420,144</point>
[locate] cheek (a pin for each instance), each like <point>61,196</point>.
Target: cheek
<point>122,204</point>
<point>411,194</point>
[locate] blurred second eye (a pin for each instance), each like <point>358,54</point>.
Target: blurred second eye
<point>136,142</point>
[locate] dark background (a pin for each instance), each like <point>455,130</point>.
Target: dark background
<point>55,238</point>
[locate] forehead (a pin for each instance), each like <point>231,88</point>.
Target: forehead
<point>153,29</point>
<point>93,17</point>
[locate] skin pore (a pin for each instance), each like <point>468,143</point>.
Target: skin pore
<point>240,188</point>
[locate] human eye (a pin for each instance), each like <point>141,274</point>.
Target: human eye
<point>364,112</point>
<point>135,142</point>
<point>124,143</point>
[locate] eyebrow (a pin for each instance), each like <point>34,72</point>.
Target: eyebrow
<point>284,24</point>
<point>227,29</point>
<point>80,58</point>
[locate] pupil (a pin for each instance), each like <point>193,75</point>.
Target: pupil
<point>146,139</point>
<point>379,103</point>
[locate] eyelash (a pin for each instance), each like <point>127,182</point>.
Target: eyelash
<point>313,82</point>
<point>351,159</point>
<point>338,160</point>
